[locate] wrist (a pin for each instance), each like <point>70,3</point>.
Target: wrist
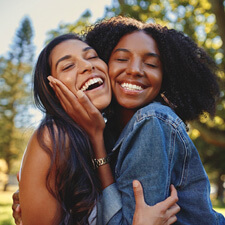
<point>101,161</point>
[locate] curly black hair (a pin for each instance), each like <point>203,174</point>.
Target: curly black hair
<point>189,74</point>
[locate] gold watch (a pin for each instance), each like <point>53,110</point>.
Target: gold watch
<point>100,162</point>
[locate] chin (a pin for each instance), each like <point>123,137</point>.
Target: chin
<point>101,105</point>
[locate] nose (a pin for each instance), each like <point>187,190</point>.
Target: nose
<point>84,66</point>
<point>135,68</point>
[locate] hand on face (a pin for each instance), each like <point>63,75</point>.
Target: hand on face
<point>79,108</point>
<point>163,213</point>
<point>78,66</point>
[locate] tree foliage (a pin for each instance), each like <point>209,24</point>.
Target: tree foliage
<point>79,26</point>
<point>15,76</point>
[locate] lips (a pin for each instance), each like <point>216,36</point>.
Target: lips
<point>92,83</point>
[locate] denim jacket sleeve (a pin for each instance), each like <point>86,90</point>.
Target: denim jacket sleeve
<point>146,154</point>
<point>156,150</point>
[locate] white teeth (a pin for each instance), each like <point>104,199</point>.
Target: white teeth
<point>90,82</point>
<point>131,87</point>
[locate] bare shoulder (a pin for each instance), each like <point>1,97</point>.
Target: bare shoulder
<point>36,159</point>
<point>33,184</point>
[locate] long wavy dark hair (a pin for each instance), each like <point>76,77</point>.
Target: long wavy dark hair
<point>76,184</point>
<point>189,80</point>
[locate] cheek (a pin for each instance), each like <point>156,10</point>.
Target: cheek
<point>156,79</point>
<point>69,81</point>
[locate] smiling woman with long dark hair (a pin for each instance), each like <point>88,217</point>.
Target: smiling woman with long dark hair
<point>67,157</point>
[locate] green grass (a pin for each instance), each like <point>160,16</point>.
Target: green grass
<point>220,209</point>
<point>6,207</point>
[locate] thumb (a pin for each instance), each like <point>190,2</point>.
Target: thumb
<point>138,194</point>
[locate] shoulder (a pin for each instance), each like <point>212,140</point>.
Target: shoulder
<point>36,159</point>
<point>157,111</point>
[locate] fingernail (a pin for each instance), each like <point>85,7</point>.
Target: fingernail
<point>51,79</point>
<point>17,208</point>
<point>50,83</point>
<point>135,183</point>
<point>80,94</point>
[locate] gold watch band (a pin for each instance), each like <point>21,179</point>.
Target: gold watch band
<point>100,162</point>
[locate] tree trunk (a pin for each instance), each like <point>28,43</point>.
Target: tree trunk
<point>6,186</point>
<point>7,173</point>
<point>210,135</point>
<point>218,10</point>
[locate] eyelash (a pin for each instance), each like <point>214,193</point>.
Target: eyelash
<point>93,57</point>
<point>151,65</point>
<point>148,64</point>
<point>67,67</point>
<point>121,60</point>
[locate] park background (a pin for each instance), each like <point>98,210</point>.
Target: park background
<point>26,26</point>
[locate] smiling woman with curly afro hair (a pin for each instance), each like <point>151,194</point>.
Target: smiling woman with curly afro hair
<point>189,80</point>
<point>160,80</point>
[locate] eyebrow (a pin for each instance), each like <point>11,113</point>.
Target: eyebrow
<point>147,54</point>
<point>61,59</point>
<point>69,56</point>
<point>121,50</point>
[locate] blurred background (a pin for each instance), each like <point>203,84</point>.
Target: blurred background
<point>26,26</point>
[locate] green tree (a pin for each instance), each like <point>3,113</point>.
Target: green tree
<point>15,76</point>
<point>79,26</point>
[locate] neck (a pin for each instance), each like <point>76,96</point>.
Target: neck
<point>123,116</point>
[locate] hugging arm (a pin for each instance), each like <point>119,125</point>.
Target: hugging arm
<point>37,204</point>
<point>163,213</point>
<point>82,111</point>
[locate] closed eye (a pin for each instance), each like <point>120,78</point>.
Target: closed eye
<point>151,65</point>
<point>122,60</point>
<point>67,67</point>
<point>93,57</point>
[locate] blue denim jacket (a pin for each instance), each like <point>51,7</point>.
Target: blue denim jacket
<point>155,149</point>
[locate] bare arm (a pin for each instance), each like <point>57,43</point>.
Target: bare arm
<point>37,203</point>
<point>163,213</point>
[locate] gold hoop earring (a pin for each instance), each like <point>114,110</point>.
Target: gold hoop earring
<point>170,104</point>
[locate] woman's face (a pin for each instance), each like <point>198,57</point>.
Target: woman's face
<point>135,70</point>
<point>78,66</point>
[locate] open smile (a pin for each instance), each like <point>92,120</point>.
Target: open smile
<point>92,83</point>
<point>131,87</point>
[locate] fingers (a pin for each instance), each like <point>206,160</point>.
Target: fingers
<point>87,104</point>
<point>15,197</point>
<point>171,200</point>
<point>173,210</point>
<point>171,220</point>
<point>138,194</point>
<point>17,214</point>
<point>65,96</point>
<point>69,100</point>
<point>173,192</point>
